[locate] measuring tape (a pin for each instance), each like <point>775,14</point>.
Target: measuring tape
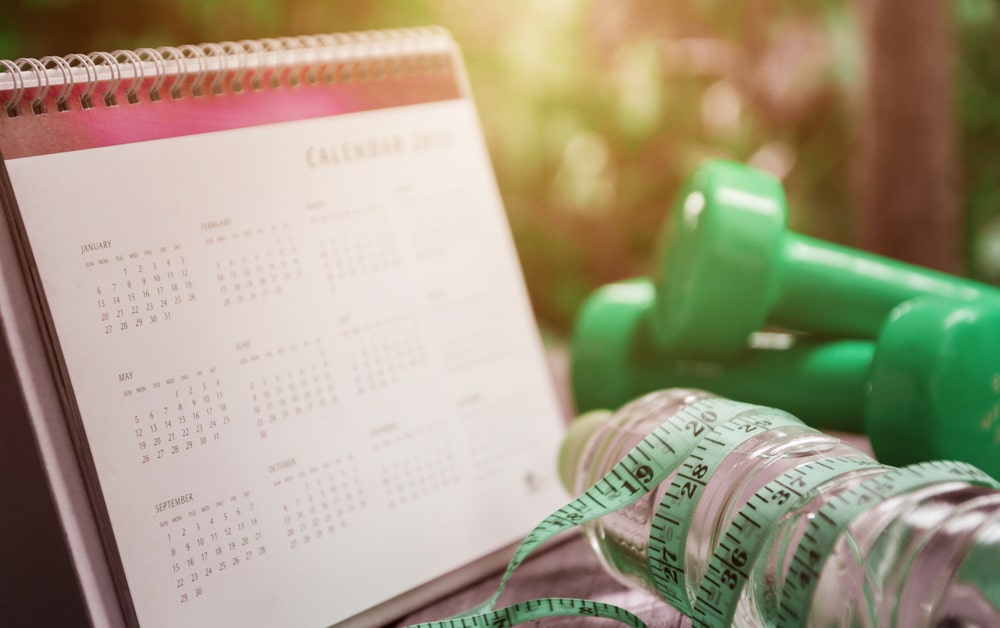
<point>540,609</point>
<point>647,465</point>
<point>672,521</point>
<point>694,442</point>
<point>743,542</point>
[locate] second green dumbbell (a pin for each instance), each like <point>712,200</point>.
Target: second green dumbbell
<point>614,359</point>
<point>928,389</point>
<point>729,266</point>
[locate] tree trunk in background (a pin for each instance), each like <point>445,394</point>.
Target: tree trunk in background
<point>909,172</point>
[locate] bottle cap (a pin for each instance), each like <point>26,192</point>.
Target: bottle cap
<point>580,431</point>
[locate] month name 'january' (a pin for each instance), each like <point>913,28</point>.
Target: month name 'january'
<point>90,247</point>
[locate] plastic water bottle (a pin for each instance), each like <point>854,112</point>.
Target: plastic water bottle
<point>790,526</point>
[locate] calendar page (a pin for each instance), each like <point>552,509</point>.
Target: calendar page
<point>301,356</point>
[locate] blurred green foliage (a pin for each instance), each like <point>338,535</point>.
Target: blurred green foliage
<point>595,110</point>
<point>979,106</point>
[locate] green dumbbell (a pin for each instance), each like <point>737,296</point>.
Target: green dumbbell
<point>927,389</point>
<point>730,266</point>
<point>613,359</point>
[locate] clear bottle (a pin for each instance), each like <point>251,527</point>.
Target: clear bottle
<point>927,557</point>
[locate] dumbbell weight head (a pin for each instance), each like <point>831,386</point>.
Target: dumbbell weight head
<point>935,384</point>
<point>719,273</point>
<point>729,266</point>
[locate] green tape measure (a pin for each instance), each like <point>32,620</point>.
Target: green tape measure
<point>539,609</point>
<point>745,539</point>
<point>642,469</point>
<point>688,448</point>
<point>672,521</point>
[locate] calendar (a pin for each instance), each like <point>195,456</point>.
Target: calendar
<point>291,331</point>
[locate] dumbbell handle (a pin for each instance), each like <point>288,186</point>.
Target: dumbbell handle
<point>819,277</point>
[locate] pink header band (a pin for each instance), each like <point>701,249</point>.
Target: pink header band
<point>30,134</point>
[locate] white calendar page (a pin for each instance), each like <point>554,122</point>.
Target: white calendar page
<point>302,356</point>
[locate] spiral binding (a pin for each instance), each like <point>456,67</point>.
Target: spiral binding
<point>228,67</point>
